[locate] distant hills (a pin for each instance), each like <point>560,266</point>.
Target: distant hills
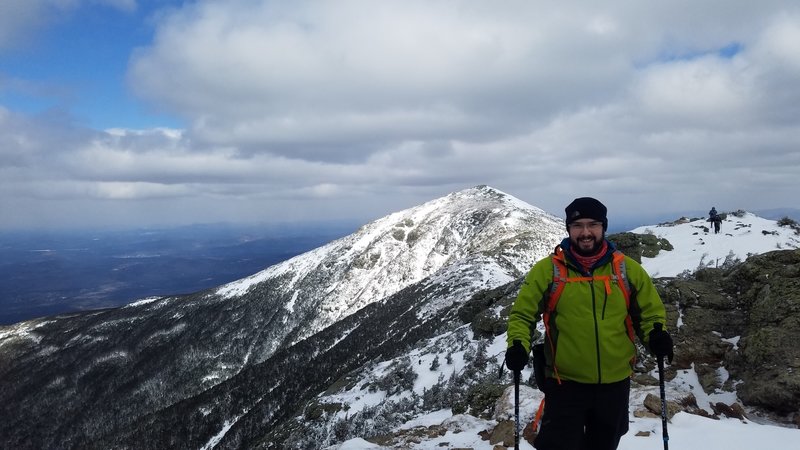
<point>53,272</point>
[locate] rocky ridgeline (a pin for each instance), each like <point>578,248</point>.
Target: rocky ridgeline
<point>747,320</point>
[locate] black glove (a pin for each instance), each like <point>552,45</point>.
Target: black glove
<point>516,357</point>
<point>661,342</point>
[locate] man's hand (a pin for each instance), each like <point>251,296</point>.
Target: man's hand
<point>516,357</point>
<point>661,342</point>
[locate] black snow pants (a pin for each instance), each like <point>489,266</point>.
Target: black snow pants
<point>581,416</point>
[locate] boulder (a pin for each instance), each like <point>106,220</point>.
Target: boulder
<point>653,404</point>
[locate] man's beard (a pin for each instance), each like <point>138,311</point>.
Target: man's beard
<point>595,248</point>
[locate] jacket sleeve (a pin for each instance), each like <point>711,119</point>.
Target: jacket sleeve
<point>529,305</point>
<point>649,307</point>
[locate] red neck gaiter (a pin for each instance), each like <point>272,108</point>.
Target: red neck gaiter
<point>588,261</point>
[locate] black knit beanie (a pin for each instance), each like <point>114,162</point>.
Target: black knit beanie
<point>587,208</point>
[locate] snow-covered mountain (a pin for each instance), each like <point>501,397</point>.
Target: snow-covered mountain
<point>394,331</point>
<point>320,287</point>
<point>152,355</point>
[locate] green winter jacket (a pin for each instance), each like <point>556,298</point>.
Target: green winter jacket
<point>590,339</point>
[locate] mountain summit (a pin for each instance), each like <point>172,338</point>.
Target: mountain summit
<point>311,291</point>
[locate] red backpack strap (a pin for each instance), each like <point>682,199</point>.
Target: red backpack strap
<point>560,279</point>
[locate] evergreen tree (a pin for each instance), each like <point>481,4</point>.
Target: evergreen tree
<point>435,363</point>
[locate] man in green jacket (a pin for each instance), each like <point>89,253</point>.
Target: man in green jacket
<point>592,301</point>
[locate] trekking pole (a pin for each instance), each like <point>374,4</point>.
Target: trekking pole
<point>517,374</point>
<point>660,359</point>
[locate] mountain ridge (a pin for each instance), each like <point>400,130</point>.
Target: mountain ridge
<point>230,367</point>
<point>392,252</point>
<point>182,346</point>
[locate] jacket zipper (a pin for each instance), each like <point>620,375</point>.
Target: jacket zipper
<point>596,333</point>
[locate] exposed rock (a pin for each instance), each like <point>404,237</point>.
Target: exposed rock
<point>690,401</point>
<point>745,318</point>
<point>701,412</point>
<point>489,323</point>
<point>734,411</point>
<point>768,287</point>
<point>487,311</point>
<point>406,437</point>
<point>528,433</point>
<point>644,379</point>
<point>689,405</point>
<point>708,377</point>
<point>638,245</point>
<point>503,433</point>
<point>692,347</point>
<point>653,404</point>
<point>640,413</point>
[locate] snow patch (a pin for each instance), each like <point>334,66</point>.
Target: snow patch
<point>218,437</point>
<point>144,301</point>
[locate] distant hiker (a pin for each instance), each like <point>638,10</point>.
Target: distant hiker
<point>593,301</point>
<point>714,219</point>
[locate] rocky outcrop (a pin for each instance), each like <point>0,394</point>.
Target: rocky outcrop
<point>768,359</point>
<point>487,311</point>
<point>747,320</point>
<point>637,245</point>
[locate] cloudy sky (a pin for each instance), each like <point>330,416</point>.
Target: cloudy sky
<point>151,112</point>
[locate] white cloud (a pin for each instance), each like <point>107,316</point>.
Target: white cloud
<point>781,41</point>
<point>353,70</point>
<point>710,91</point>
<point>359,108</point>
